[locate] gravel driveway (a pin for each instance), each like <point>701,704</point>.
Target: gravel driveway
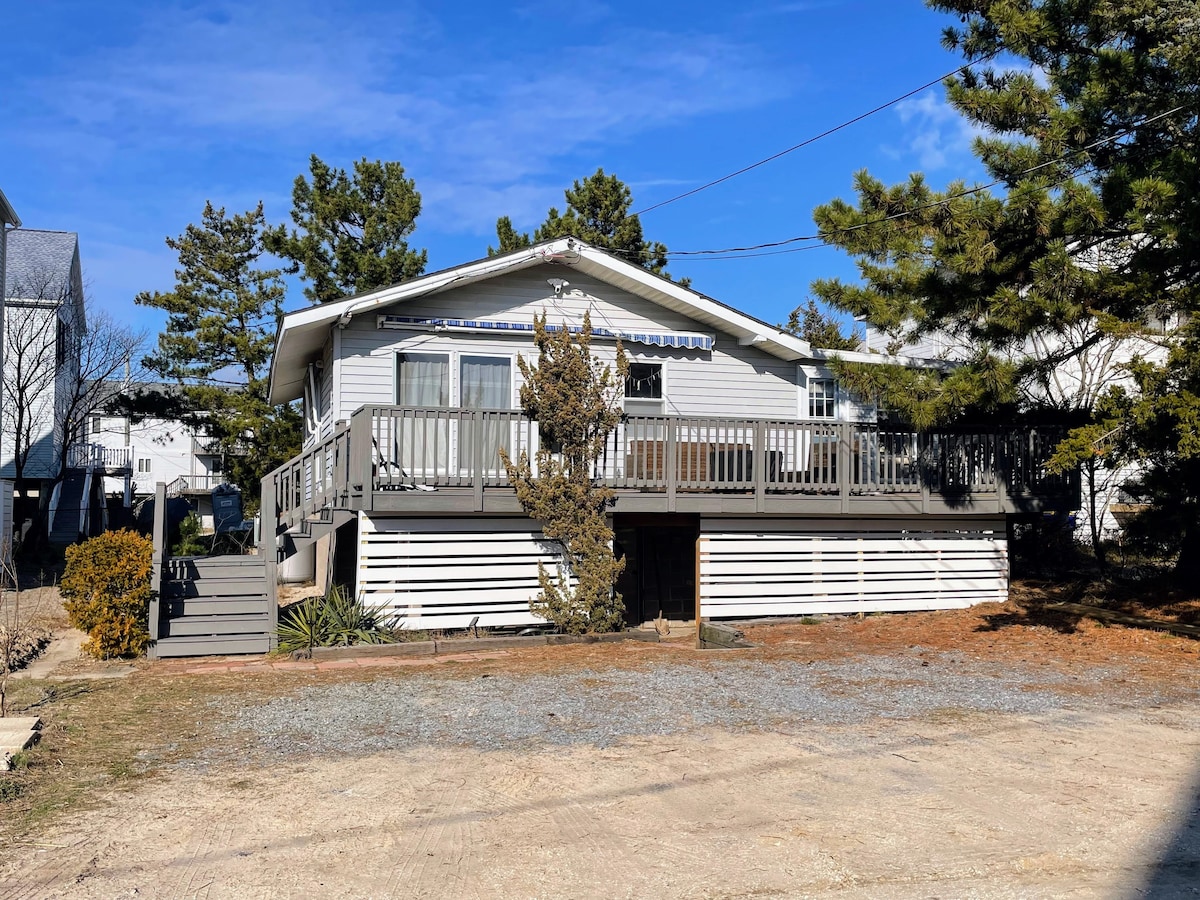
<point>601,708</point>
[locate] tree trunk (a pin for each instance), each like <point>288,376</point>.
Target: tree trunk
<point>1187,566</point>
<point>1093,519</point>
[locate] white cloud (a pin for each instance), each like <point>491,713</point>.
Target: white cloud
<point>482,125</point>
<point>933,132</point>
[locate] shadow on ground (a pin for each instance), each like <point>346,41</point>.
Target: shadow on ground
<point>1177,872</point>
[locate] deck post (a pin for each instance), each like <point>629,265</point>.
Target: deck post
<point>476,457</point>
<point>844,461</point>
<point>362,476</point>
<point>670,465</point>
<point>268,547</point>
<point>759,463</point>
<point>923,470</point>
<point>158,562</point>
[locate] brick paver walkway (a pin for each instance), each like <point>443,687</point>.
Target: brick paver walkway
<point>236,664</point>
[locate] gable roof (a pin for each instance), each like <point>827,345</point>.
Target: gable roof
<point>302,334</point>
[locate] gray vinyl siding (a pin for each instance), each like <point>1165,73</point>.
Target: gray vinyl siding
<point>43,434</point>
<point>731,380</point>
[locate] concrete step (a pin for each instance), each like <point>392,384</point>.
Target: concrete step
<point>17,734</point>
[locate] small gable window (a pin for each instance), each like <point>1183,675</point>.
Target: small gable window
<point>822,398</point>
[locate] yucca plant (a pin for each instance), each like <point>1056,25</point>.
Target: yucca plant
<point>350,621</point>
<point>302,626</point>
<point>337,619</point>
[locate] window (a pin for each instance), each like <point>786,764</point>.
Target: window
<point>822,398</point>
<point>95,424</point>
<point>143,464</point>
<point>485,382</point>
<point>644,389</point>
<point>423,443</point>
<point>423,379</point>
<point>644,381</point>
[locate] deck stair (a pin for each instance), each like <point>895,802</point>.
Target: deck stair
<point>70,502</point>
<point>313,528</point>
<point>214,605</point>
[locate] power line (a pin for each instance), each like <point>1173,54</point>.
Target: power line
<point>747,251</point>
<point>815,138</point>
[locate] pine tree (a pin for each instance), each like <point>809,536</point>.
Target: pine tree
<point>217,344</point>
<point>597,212</point>
<point>351,230</point>
<point>820,329</point>
<point>1092,228</point>
<point>573,398</point>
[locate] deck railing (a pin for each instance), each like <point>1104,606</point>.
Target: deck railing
<point>390,448</point>
<point>97,456</point>
<point>186,484</point>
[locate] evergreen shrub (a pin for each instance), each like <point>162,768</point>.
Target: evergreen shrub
<point>106,588</point>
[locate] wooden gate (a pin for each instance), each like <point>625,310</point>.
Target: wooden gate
<point>209,605</point>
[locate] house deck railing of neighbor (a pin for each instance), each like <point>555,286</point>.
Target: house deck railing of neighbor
<point>424,460</point>
<point>194,484</point>
<point>97,456</point>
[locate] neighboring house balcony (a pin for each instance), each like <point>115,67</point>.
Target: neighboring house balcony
<point>422,461</point>
<point>100,459</point>
<point>194,485</point>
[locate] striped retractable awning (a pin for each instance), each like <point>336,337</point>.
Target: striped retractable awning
<point>685,340</point>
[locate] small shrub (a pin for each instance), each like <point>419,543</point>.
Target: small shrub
<point>191,541</point>
<point>106,586</point>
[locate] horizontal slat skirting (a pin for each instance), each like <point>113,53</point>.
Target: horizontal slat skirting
<point>442,573</point>
<point>402,604</point>
<point>898,587</point>
<point>463,620</point>
<point>751,573</point>
<point>477,598</point>
<point>722,568</point>
<point>839,607</point>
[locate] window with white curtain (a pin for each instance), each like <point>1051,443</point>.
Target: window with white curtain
<point>424,379</point>
<point>421,445</point>
<point>485,383</point>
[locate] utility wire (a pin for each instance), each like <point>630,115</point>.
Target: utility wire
<point>815,138</point>
<point>724,253</point>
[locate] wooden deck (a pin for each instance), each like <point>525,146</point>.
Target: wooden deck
<point>391,459</point>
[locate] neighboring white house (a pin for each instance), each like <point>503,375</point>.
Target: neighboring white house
<point>747,482</point>
<point>8,220</point>
<point>163,450</point>
<point>44,322</point>
<point>1096,364</point>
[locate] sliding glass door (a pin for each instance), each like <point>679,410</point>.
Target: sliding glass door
<point>422,447</point>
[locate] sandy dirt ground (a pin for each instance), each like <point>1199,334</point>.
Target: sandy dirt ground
<point>1078,806</point>
<point>1084,800</point>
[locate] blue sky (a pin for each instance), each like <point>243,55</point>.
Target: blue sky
<point>119,120</point>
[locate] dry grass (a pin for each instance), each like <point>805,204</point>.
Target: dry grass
<point>101,735</point>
